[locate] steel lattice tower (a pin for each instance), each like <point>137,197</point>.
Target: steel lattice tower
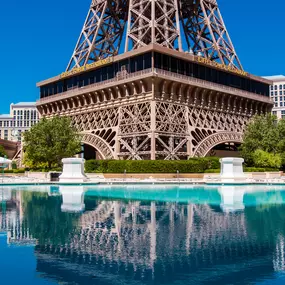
<point>159,22</point>
<point>155,79</point>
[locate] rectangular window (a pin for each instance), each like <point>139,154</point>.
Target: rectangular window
<point>275,99</point>
<point>19,135</point>
<point>5,134</point>
<point>276,93</point>
<point>283,112</point>
<point>281,104</point>
<point>276,105</point>
<point>280,92</point>
<point>280,86</point>
<point>281,98</point>
<point>274,113</point>
<point>275,87</point>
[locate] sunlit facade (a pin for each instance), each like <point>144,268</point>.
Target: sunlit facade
<point>22,116</point>
<point>277,95</point>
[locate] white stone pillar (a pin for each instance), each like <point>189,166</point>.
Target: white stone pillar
<point>73,170</point>
<point>231,169</point>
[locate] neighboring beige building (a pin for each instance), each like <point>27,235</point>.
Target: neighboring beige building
<point>277,95</point>
<point>22,116</point>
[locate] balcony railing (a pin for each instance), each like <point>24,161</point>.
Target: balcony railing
<point>216,86</point>
<point>74,91</point>
<point>155,72</point>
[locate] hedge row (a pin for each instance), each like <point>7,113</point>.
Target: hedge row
<point>193,165</point>
<point>245,169</point>
<point>258,169</point>
<point>15,171</point>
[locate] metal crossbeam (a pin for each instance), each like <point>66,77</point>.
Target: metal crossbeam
<point>101,34</point>
<point>206,33</point>
<point>144,22</point>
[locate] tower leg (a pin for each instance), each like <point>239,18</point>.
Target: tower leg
<point>153,123</point>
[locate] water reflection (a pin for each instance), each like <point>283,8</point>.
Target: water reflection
<point>232,198</point>
<point>107,235</point>
<point>5,195</point>
<point>72,198</point>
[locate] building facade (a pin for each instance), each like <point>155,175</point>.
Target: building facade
<point>159,99</point>
<point>277,95</point>
<point>22,116</point>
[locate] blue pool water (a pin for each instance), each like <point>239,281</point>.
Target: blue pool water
<point>142,234</point>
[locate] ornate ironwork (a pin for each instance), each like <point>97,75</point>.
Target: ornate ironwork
<point>98,143</point>
<point>154,22</point>
<point>165,118</point>
<point>215,139</point>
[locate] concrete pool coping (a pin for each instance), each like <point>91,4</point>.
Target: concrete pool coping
<point>142,182</point>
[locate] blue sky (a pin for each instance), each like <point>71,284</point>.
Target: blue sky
<point>38,38</point>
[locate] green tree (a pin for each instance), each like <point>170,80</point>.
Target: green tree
<point>47,142</point>
<point>2,151</point>
<point>264,133</point>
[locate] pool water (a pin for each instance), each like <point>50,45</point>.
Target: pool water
<point>142,234</point>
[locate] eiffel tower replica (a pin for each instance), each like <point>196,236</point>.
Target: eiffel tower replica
<point>155,79</point>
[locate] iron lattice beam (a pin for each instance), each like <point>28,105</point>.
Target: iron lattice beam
<point>206,33</point>
<point>101,34</point>
<point>154,22</point>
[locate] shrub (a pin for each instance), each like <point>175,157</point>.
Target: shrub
<point>3,152</point>
<point>212,171</point>
<point>258,169</point>
<point>15,171</point>
<point>18,170</point>
<point>265,159</point>
<point>193,165</point>
<point>92,165</point>
<point>246,169</point>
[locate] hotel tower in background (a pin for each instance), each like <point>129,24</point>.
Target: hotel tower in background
<point>22,116</point>
<point>277,95</point>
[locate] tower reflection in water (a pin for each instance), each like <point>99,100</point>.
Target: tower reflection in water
<point>87,236</point>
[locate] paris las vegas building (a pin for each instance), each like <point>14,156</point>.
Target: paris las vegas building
<point>155,80</point>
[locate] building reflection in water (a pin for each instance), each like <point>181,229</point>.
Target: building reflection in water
<point>145,240</point>
<point>11,218</point>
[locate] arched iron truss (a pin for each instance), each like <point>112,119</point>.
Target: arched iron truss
<point>99,144</point>
<point>215,139</point>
